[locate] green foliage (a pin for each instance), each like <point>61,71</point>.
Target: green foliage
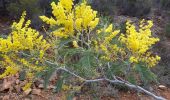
<point>46,75</point>
<point>15,8</point>
<point>167,30</point>
<point>146,75</point>
<point>105,7</point>
<point>34,9</point>
<point>165,4</point>
<point>136,8</point>
<point>81,61</point>
<point>59,85</point>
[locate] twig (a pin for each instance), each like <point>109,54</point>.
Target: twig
<point>64,69</point>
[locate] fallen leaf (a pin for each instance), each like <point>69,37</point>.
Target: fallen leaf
<point>7,83</point>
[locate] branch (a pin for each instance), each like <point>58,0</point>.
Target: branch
<point>136,88</point>
<point>61,68</point>
<point>115,81</point>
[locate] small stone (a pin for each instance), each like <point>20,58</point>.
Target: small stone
<point>41,86</point>
<point>17,81</point>
<point>36,91</point>
<point>50,87</point>
<point>162,87</point>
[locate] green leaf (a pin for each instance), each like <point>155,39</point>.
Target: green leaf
<point>132,79</point>
<point>22,75</point>
<point>47,76</point>
<point>70,96</point>
<point>59,85</point>
<point>145,73</point>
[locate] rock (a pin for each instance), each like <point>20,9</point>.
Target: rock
<point>41,86</point>
<point>162,87</point>
<point>50,87</point>
<point>17,81</point>
<point>36,91</point>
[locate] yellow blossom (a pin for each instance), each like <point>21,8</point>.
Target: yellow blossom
<point>139,42</point>
<point>27,86</point>
<point>75,44</point>
<point>133,59</point>
<point>109,28</point>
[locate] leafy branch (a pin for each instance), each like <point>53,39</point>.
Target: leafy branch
<point>116,80</point>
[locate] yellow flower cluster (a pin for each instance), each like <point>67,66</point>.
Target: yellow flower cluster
<point>22,39</point>
<point>27,86</point>
<point>11,67</point>
<point>105,44</point>
<point>71,20</point>
<point>9,71</point>
<point>85,17</point>
<point>139,42</point>
<point>75,44</point>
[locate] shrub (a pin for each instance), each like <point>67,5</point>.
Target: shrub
<point>136,8</point>
<point>34,9</point>
<point>21,40</point>
<point>165,4</point>
<point>15,8</point>
<point>80,46</point>
<point>105,7</point>
<point>167,30</point>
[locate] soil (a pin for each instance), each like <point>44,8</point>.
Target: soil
<point>49,95</point>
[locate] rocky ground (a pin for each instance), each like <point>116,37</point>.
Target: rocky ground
<point>11,89</point>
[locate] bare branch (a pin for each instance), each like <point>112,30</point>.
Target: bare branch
<point>116,81</point>
<point>64,69</point>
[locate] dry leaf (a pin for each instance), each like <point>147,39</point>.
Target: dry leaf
<point>7,83</point>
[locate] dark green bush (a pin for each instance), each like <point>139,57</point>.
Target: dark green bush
<point>105,7</point>
<point>136,8</point>
<point>16,7</point>
<point>34,9</point>
<point>165,4</point>
<point>167,30</point>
